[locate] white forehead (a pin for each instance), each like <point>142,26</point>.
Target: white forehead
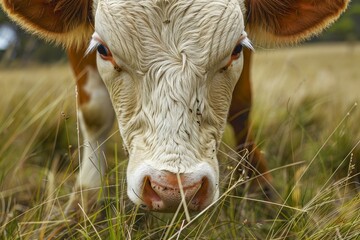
<point>201,29</point>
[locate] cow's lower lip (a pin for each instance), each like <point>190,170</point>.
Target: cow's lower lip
<point>160,198</point>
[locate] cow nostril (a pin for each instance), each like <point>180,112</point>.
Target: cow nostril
<point>149,195</point>
<point>200,197</point>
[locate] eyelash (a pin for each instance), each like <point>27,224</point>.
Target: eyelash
<point>94,44</point>
<point>244,42</point>
<point>103,51</point>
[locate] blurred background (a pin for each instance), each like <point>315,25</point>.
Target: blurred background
<point>18,47</point>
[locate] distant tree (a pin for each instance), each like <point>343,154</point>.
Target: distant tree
<point>347,28</point>
<point>3,17</point>
<point>31,48</point>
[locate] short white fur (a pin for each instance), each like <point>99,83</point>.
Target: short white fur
<point>172,98</point>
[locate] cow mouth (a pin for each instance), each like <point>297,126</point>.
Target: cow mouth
<point>160,197</point>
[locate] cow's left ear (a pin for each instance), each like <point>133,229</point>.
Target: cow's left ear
<point>278,22</point>
<point>67,22</point>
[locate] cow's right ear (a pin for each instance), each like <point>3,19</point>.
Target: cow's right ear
<point>282,22</point>
<point>66,22</point>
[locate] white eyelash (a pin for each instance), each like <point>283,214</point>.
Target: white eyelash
<point>92,46</point>
<point>246,42</point>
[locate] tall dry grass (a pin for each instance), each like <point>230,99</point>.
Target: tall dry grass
<point>305,119</point>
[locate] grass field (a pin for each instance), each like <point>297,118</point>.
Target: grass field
<point>306,121</point>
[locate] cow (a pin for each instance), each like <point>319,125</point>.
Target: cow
<point>171,72</point>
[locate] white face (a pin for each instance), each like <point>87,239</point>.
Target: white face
<point>170,68</point>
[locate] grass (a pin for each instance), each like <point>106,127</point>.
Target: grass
<point>305,117</point>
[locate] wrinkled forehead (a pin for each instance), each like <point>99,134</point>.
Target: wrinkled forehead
<point>207,28</point>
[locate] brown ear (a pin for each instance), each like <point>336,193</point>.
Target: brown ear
<point>66,22</point>
<point>289,21</point>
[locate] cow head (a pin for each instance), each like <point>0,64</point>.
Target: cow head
<point>170,68</point>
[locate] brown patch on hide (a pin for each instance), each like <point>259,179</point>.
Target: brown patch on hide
<point>239,118</point>
<point>290,21</point>
<point>241,101</point>
<point>79,64</point>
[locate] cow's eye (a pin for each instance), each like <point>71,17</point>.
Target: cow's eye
<point>103,51</point>
<point>236,52</point>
